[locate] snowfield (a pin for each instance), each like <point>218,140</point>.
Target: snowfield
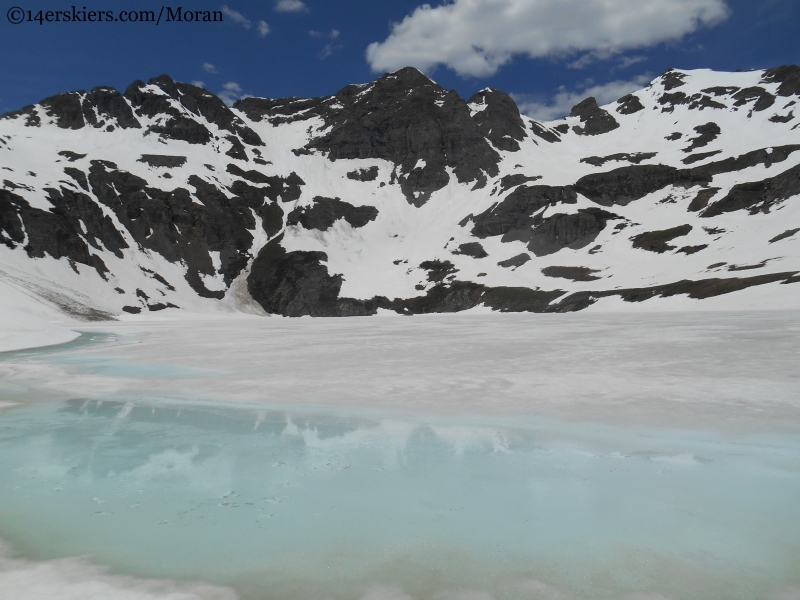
<point>679,195</point>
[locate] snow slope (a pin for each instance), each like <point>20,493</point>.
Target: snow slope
<point>400,196</point>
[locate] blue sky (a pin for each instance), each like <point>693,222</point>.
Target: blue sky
<point>547,53</point>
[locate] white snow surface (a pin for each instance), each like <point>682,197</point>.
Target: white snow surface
<point>382,258</point>
<point>719,370</point>
<point>25,322</point>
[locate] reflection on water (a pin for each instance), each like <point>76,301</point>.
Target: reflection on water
<point>350,505</point>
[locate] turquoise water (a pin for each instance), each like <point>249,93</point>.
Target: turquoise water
<point>311,504</point>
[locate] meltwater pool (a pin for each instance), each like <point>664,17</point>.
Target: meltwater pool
<point>263,503</point>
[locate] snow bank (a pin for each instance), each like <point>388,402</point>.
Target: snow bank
<point>27,323</point>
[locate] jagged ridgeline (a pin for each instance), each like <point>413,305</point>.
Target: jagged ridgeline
<point>398,195</point>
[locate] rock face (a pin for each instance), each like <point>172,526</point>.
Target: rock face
<point>326,211</point>
<point>596,120</point>
<point>398,195</point>
<point>498,118</point>
<point>403,118</point>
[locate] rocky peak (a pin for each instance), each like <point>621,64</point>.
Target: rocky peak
<point>788,76</point>
<point>196,101</point>
<point>407,119</point>
<point>596,120</point>
<point>498,118</point>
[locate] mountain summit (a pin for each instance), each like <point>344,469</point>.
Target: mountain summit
<point>398,195</point>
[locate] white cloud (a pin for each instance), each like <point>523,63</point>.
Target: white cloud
<point>328,50</point>
<point>477,37</point>
<point>263,28</point>
<point>209,68</point>
<point>199,84</point>
<point>236,17</point>
<point>561,104</point>
<point>334,33</point>
<point>231,92</point>
<point>287,6</point>
<point>627,61</point>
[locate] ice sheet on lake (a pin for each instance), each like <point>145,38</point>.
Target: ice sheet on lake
<point>696,370</point>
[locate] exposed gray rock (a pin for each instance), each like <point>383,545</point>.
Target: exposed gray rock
<point>162,160</point>
<point>513,216</point>
<point>326,211</point>
<point>515,261</point>
<point>758,196</point>
<point>706,134</point>
<point>635,158</point>
<point>573,273</point>
<point>626,184</point>
<point>370,174</point>
<point>473,249</point>
<point>575,230</point>
<point>788,76</point>
<point>596,120</point>
<point>629,104</point>
<point>499,122</point>
<point>657,241</point>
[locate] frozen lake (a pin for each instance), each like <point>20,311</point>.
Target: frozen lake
<point>453,456</point>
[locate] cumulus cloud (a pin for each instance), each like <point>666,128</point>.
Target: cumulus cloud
<point>561,104</point>
<point>200,84</point>
<point>231,92</point>
<point>236,17</point>
<point>477,37</point>
<point>209,68</point>
<point>290,6</point>
<point>263,28</point>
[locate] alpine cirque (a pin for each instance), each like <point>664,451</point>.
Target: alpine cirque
<point>398,195</point>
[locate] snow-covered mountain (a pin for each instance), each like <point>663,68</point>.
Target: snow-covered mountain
<point>399,195</point>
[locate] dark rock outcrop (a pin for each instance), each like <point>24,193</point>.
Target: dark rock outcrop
<point>196,101</point>
<point>657,241</point>
<point>548,135</point>
<point>575,230</point>
<point>326,211</point>
<point>596,121</point>
<point>671,79</point>
<point>698,290</point>
<point>763,156</point>
<point>573,273</point>
<point>162,160</point>
<point>629,104</point>
<point>635,158</point>
<point>513,216</point>
<point>788,76</point>
<point>700,201</point>
<point>786,234</point>
<point>402,117</point>
<point>706,134</point>
<point>180,230</point>
<point>758,196</point>
<point>763,99</point>
<point>296,284</point>
<point>515,261</point>
<point>57,232</point>
<point>626,184</point>
<point>694,158</point>
<point>473,249</point>
<point>370,174</point>
<point>438,269</point>
<point>509,181</point>
<point>499,121</point>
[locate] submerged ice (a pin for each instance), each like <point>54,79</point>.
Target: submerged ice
<point>349,504</point>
